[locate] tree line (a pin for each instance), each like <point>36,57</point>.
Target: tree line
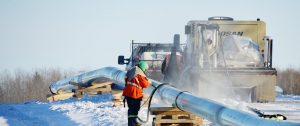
<point>289,80</point>
<point>22,86</point>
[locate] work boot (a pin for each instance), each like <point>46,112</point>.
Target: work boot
<point>137,122</point>
<point>133,121</point>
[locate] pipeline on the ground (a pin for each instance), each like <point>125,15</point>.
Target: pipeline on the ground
<point>206,108</point>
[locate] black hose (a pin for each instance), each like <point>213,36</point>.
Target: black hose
<point>176,105</point>
<point>150,100</point>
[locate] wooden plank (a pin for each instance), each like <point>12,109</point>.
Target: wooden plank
<point>117,92</point>
<point>103,92</point>
<point>176,121</point>
<point>98,85</point>
<point>60,97</point>
<point>118,101</point>
<point>78,94</point>
<point>158,117</point>
<point>99,88</point>
<point>157,124</point>
<point>166,111</point>
<point>174,116</point>
<point>192,116</point>
<point>116,104</point>
<point>92,93</point>
<point>95,90</point>
<point>101,83</point>
<point>169,113</point>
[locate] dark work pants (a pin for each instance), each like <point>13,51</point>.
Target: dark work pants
<point>133,110</point>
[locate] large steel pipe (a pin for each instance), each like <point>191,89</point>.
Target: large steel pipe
<point>206,108</point>
<point>213,111</point>
<point>112,73</point>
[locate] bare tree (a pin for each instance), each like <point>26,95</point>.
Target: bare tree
<point>26,86</point>
<point>289,81</point>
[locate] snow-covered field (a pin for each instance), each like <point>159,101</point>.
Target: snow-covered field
<point>89,111</point>
<point>98,111</point>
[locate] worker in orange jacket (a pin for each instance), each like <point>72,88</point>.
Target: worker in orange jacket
<point>135,81</point>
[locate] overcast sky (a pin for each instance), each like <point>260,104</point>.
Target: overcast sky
<point>89,34</point>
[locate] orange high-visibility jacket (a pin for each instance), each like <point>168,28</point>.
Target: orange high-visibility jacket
<point>135,81</point>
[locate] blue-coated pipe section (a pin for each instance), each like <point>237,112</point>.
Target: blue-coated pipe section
<point>114,74</point>
<point>206,108</point>
<point>214,111</point>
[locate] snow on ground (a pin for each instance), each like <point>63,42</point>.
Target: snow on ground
<point>93,111</point>
<point>286,105</point>
<point>98,111</point>
<point>33,114</point>
<point>294,98</point>
<point>3,121</point>
<point>89,111</point>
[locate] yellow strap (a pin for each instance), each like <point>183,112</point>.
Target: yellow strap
<point>132,116</point>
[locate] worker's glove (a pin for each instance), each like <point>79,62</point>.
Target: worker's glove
<point>277,117</point>
<point>149,81</point>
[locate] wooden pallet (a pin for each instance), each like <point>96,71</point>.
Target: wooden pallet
<point>96,87</point>
<point>170,116</point>
<point>62,96</point>
<point>117,100</point>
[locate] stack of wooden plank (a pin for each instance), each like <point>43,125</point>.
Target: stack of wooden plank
<point>96,87</point>
<point>169,116</point>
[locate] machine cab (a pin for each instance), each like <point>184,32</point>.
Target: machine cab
<point>153,53</point>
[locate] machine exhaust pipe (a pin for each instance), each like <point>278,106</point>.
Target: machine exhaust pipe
<point>206,108</point>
